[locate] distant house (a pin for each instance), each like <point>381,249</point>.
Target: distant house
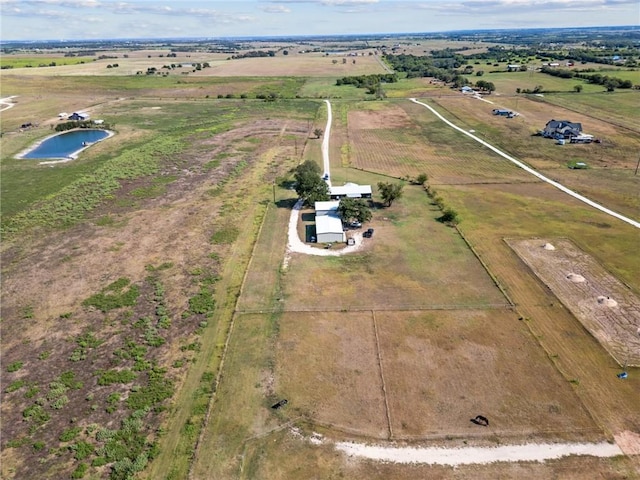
<point>350,190</point>
<point>467,89</point>
<point>562,129</point>
<point>513,68</point>
<point>78,116</point>
<point>328,223</point>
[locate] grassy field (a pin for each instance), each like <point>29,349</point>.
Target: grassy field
<point>147,316</point>
<point>14,61</point>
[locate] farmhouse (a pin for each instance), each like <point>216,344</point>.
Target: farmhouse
<point>467,89</point>
<point>81,116</point>
<point>328,223</point>
<point>561,129</point>
<point>350,190</point>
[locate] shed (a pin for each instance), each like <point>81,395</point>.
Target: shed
<point>350,190</point>
<point>327,208</point>
<point>329,229</point>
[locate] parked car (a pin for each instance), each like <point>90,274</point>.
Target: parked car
<point>325,176</point>
<point>368,233</point>
<point>355,224</point>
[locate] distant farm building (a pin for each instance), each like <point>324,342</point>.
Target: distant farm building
<point>467,89</point>
<point>350,190</point>
<point>562,129</point>
<point>78,116</point>
<point>328,223</point>
<point>513,68</point>
<point>503,113</point>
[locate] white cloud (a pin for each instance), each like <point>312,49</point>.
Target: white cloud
<point>276,9</point>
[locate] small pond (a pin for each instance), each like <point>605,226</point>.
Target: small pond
<point>66,145</point>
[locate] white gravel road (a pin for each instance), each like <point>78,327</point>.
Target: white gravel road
<point>7,103</point>
<point>533,452</point>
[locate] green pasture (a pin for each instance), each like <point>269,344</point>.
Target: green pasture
<point>287,87</point>
<point>508,82</point>
<point>621,107</point>
<point>10,61</point>
<point>30,192</point>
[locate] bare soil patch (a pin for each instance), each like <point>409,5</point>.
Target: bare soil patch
<point>390,117</point>
<point>604,305</point>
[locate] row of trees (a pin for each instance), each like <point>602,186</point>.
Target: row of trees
<point>596,78</point>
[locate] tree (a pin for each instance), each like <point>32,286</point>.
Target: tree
<point>390,191</point>
<point>420,179</point>
<point>577,88</point>
<point>449,216</point>
<point>309,185</point>
<point>318,132</point>
<point>351,209</point>
<point>285,52</point>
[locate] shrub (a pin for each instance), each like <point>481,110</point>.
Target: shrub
<point>82,449</point>
<point>13,386</point>
<point>69,434</point>
<point>114,296</point>
<point>449,216</point>
<point>110,377</point>
<point>14,367</point>
<point>80,471</point>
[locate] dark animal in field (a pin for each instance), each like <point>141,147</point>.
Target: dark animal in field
<point>481,420</point>
<point>281,403</point>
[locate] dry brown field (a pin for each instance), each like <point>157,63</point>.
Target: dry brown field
<point>605,306</point>
<point>422,376</point>
<point>292,65</point>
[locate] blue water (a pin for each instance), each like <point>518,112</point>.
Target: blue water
<point>66,144</point>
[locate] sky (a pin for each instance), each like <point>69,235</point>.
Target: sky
<point>113,19</point>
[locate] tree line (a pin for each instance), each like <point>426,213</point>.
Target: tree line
<point>610,83</point>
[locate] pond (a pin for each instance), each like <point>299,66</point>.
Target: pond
<point>66,145</point>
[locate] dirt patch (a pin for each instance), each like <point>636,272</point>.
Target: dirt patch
<point>390,117</point>
<point>603,304</point>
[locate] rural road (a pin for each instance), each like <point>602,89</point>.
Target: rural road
<point>532,171</point>
<point>7,103</point>
<point>325,144</point>
<point>533,452</point>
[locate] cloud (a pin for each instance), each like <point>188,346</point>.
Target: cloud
<point>276,9</point>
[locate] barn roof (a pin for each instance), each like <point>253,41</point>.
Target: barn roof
<point>328,224</point>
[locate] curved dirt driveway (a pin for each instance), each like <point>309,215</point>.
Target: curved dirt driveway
<point>294,244</point>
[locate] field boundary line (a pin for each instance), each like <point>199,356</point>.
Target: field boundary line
<point>384,385</point>
<point>532,171</point>
<point>380,308</point>
<point>485,266</point>
<point>223,357</point>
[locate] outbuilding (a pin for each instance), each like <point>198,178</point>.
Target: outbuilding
<point>329,229</point>
<point>350,190</point>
